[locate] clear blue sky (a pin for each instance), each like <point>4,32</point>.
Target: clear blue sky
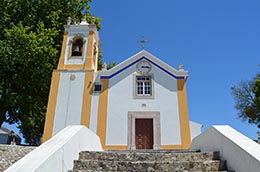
<point>218,41</point>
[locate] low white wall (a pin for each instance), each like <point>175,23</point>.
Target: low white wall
<point>242,153</point>
<point>195,129</point>
<point>58,153</point>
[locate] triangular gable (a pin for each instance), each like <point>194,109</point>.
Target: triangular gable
<point>143,55</point>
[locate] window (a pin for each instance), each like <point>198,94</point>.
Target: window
<point>143,86</point>
<point>97,87</point>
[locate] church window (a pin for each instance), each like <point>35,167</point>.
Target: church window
<point>143,86</point>
<point>97,87</point>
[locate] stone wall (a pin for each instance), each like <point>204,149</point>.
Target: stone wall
<point>9,154</point>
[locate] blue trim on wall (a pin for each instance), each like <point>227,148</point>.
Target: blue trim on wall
<point>131,64</point>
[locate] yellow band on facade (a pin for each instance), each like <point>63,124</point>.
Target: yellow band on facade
<point>167,147</point>
<point>115,147</point>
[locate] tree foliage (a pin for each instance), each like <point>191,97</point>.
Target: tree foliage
<point>247,100</point>
<point>31,34</point>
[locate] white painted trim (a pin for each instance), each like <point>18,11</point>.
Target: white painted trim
<point>132,116</point>
<point>58,153</point>
<point>135,96</point>
<point>242,153</point>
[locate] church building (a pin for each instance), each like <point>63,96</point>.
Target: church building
<point>140,103</point>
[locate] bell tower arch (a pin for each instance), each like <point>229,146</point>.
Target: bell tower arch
<point>79,47</point>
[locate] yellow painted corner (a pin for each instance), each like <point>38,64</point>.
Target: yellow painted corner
<point>102,113</point>
<point>63,50</point>
<point>183,110</point>
<point>87,99</point>
<point>49,119</point>
<point>90,56</point>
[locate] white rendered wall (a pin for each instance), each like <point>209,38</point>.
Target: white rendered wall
<point>242,153</point>
<point>121,101</point>
<point>58,153</point>
<point>195,129</point>
<point>69,100</point>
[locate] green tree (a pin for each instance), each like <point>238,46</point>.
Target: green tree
<point>31,35</point>
<point>247,100</point>
<point>111,65</point>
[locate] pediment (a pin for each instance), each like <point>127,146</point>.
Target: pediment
<point>143,55</point>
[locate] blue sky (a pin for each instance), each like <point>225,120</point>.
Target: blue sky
<point>218,41</point>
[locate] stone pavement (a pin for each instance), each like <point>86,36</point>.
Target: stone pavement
<point>9,154</point>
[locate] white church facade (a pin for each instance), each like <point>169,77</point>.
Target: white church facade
<point>140,103</point>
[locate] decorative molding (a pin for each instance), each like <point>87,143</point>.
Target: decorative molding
<point>77,36</point>
<point>132,116</point>
<point>135,87</point>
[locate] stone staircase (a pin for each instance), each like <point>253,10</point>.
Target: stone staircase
<point>149,161</point>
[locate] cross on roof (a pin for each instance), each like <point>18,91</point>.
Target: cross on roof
<point>143,41</point>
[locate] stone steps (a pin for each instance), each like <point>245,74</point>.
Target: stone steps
<point>150,166</point>
<point>146,156</point>
<point>149,161</point>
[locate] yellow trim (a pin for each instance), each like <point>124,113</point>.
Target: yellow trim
<point>115,147</point>
<point>73,67</point>
<point>167,147</point>
<point>183,110</point>
<point>63,50</point>
<point>102,113</point>
<point>87,99</point>
<point>89,58</point>
<point>49,120</point>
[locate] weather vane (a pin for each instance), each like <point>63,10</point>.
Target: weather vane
<point>143,41</point>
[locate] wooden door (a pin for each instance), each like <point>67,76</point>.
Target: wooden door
<point>144,133</point>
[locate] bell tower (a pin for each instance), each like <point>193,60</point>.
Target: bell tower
<point>71,86</point>
<point>79,47</point>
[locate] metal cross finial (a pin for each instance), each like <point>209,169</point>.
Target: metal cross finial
<point>143,41</point>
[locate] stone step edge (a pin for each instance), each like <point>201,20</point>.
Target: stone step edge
<point>128,171</point>
<point>213,153</point>
<point>150,152</point>
<point>135,157</point>
<point>219,164</point>
<point>208,161</point>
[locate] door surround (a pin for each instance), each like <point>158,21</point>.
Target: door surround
<point>132,116</point>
